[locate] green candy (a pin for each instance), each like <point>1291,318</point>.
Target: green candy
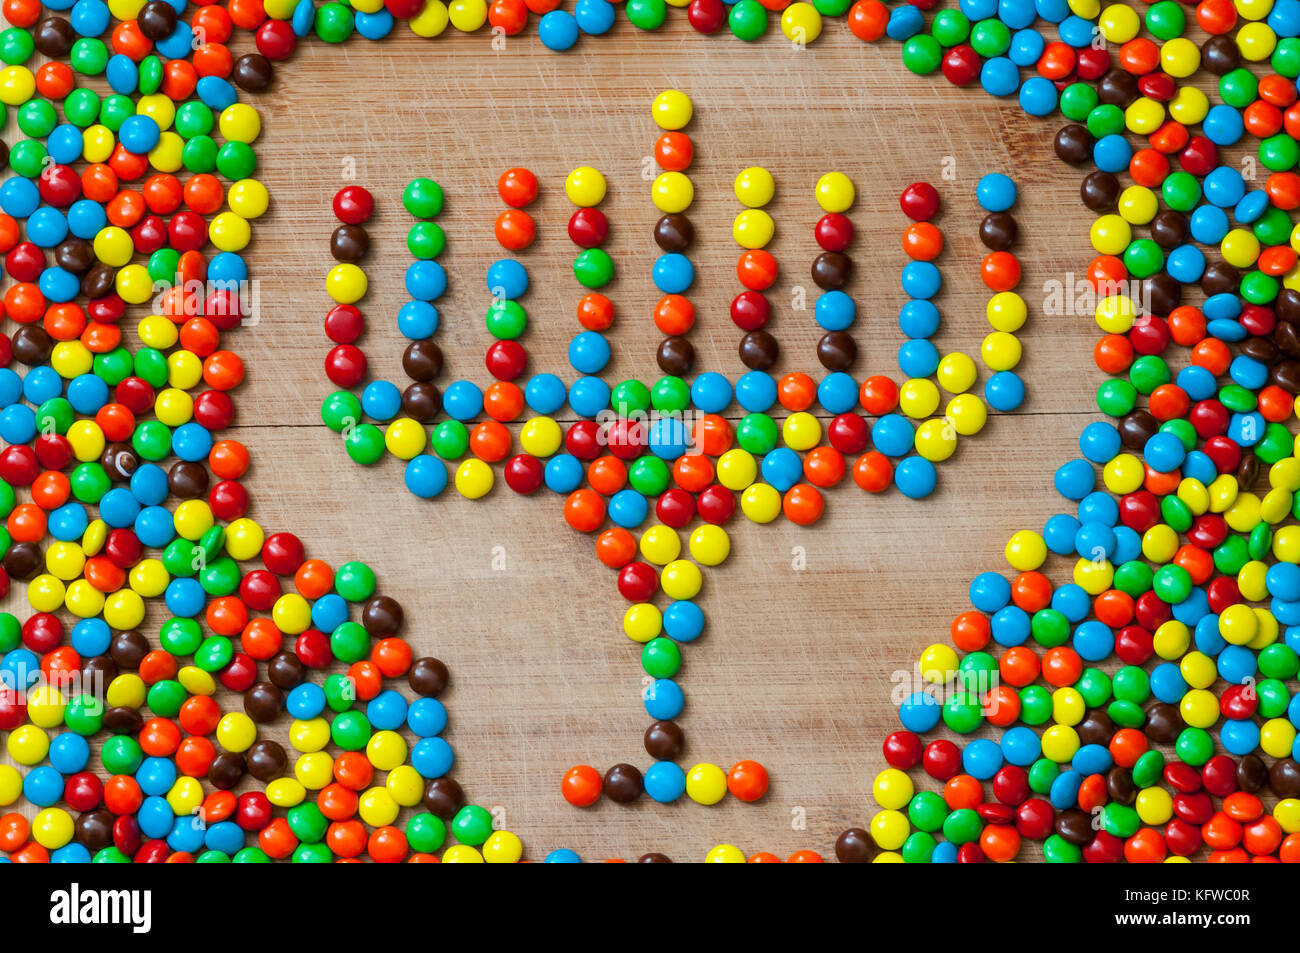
<point>922,54</point>
<point>1105,120</point>
<point>89,482</point>
<point>340,692</point>
<point>121,754</point>
<point>166,697</point>
<point>927,811</point>
<point>1279,661</point>
<point>250,855</point>
<point>1035,705</point>
<point>1077,101</point>
<point>962,826</point>
<point>36,118</point>
<point>1042,774</point>
<point>214,654</point>
<point>425,832</point>
<point>1126,714</point>
<point>56,416</point>
<point>151,364</point>
<point>199,154</point>
<point>962,712</point>
<point>757,433</point>
<point>950,27</point>
<point>16,46</point>
<point>307,822</point>
<point>110,855</point>
<point>88,57</point>
<point>661,658</point>
<point>27,158</point>
<point>506,320</point>
<point>1131,684</point>
<point>152,440</point>
<point>450,440</point>
<point>180,637</point>
<point>10,632</point>
<point>472,825</point>
<point>114,367</point>
<point>1049,628</point>
<point>194,119</point>
<point>629,397</point>
<point>364,443</point>
<point>1115,398</point>
<point>747,19</point>
<point>919,846</point>
<point>236,160</point>
<point>1148,768</point>
<point>1238,88</point>
<point>649,475</point>
<point>593,268</point>
<point>1143,258</point>
<point>1194,746</point>
<point>1172,584</point>
<point>1058,850</point>
<point>350,642</point>
<point>84,715</point>
<point>350,730</point>
<point>1274,698</point>
<point>312,854</point>
<point>1148,372</point>
<point>1120,820</point>
<point>1286,57</point>
<point>1166,20</point>
<point>150,75</point>
<point>1181,191</point>
<point>81,108</point>
<point>1134,578</point>
<point>355,581</point>
<point>212,857</point>
<point>1279,153</point>
<point>647,14</point>
<point>426,240</point>
<point>422,198</point>
<point>670,395</point>
<point>990,37</point>
<point>1176,513</point>
<point>334,22</point>
<point>1095,687</point>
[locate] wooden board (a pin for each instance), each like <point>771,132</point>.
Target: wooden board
<point>796,667</point>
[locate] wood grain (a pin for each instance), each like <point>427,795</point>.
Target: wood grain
<point>796,667</point>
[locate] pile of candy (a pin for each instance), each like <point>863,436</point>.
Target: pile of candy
<point>130,189</point>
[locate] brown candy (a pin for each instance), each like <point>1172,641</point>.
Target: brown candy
<point>1099,191</point>
<point>285,670</point>
<point>32,344</point>
<point>94,829</point>
<point>1251,773</point>
<point>654,858</point>
<point>157,20</point>
<point>622,784</point>
<point>837,350</point>
<point>1220,55</point>
<point>1247,471</point>
<point>1163,723</point>
<point>128,649</point>
<point>759,350</point>
<point>443,797</point>
<point>54,37</point>
<point>1287,306</point>
<point>188,480</point>
<point>99,281</point>
<point>382,616</point>
<point>1161,293</point>
<point>1136,428</point>
<point>831,270</point>
<point>421,401</point>
<point>1117,88</point>
<point>263,702</point>
<point>422,360</point>
<point>1287,338</point>
<point>75,255</point>
<point>1169,228</point>
<point>675,356</point>
<point>227,770</point>
<point>96,673</point>
<point>1095,729</point>
<point>1073,144</point>
<point>1286,374</point>
<point>998,231</point>
<point>349,243</point>
<point>1120,786</point>
<point>1074,826</point>
<point>266,760</point>
<point>1284,778</point>
<point>428,676</point>
<point>674,232</point>
<point>253,72</point>
<point>854,846</point>
<point>123,720</point>
<point>23,559</point>
<point>1260,349</point>
<point>664,740</point>
<point>1220,277</point>
<point>119,461</point>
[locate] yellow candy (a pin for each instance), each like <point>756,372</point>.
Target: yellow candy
<point>1123,474</point>
<point>1001,351</point>
<point>967,413</point>
<point>643,622</point>
<point>753,228</point>
<point>248,198</point>
<point>1068,706</point>
<point>157,332</point>
<point>1154,806</point>
<point>1240,248</point>
<point>11,785</point>
<point>45,706</point>
<point>291,614</point>
<point>1110,235</point>
<point>889,829</point>
<point>671,109</point>
<point>474,479</point>
<point>1193,492</point>
<point>737,469</point>
<point>1277,737</point>
<point>286,792</point>
<point>230,232</point>
<point>939,664</point>
<point>65,560</point>
<point>83,600</point>
<point>1198,670</point>
<point>892,789</point>
<point>169,155</point>
<point>429,22</point>
<point>462,854</point>
<point>1252,581</point>
<point>1026,550</point>
<point>754,187</point>
<point>240,122</point>
<point>1286,544</point>
<point>1286,812</point>
<point>45,593</point>
<point>185,796</point>
<point>184,369</point>
<point>1116,314</point>
<point>761,503</point>
<point>1119,23</point>
<point>1180,57</point>
<point>196,681</point>
<point>936,439</point>
<point>236,731</point>
<point>706,784</point>
<point>801,431</point>
<point>125,691</point>
<point>1199,708</point>
<point>802,23</point>
<point>1238,624</point>
<point>1094,578</point>
<point>502,847</point>
<point>244,539</point>
<point>1060,743</point>
<point>672,192</point>
<point>113,246</point>
<point>405,438</point>
<point>1006,311</point>
<point>1171,640</point>
<point>405,785</point>
<point>585,186</point>
<point>97,143</point>
<point>1144,116</point>
<point>52,828</point>
<point>834,190</point>
<point>660,545</point>
<point>311,735</point>
<point>681,580</point>
<point>1138,205</point>
<point>918,397</point>
<point>710,545</point>
<point>149,578</point>
<point>17,85</point>
<point>28,745</point>
<point>346,283</point>
<point>192,519</point>
<point>1189,106</point>
<point>314,771</point>
<point>124,610</point>
<point>1256,42</point>
<point>541,436</point>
